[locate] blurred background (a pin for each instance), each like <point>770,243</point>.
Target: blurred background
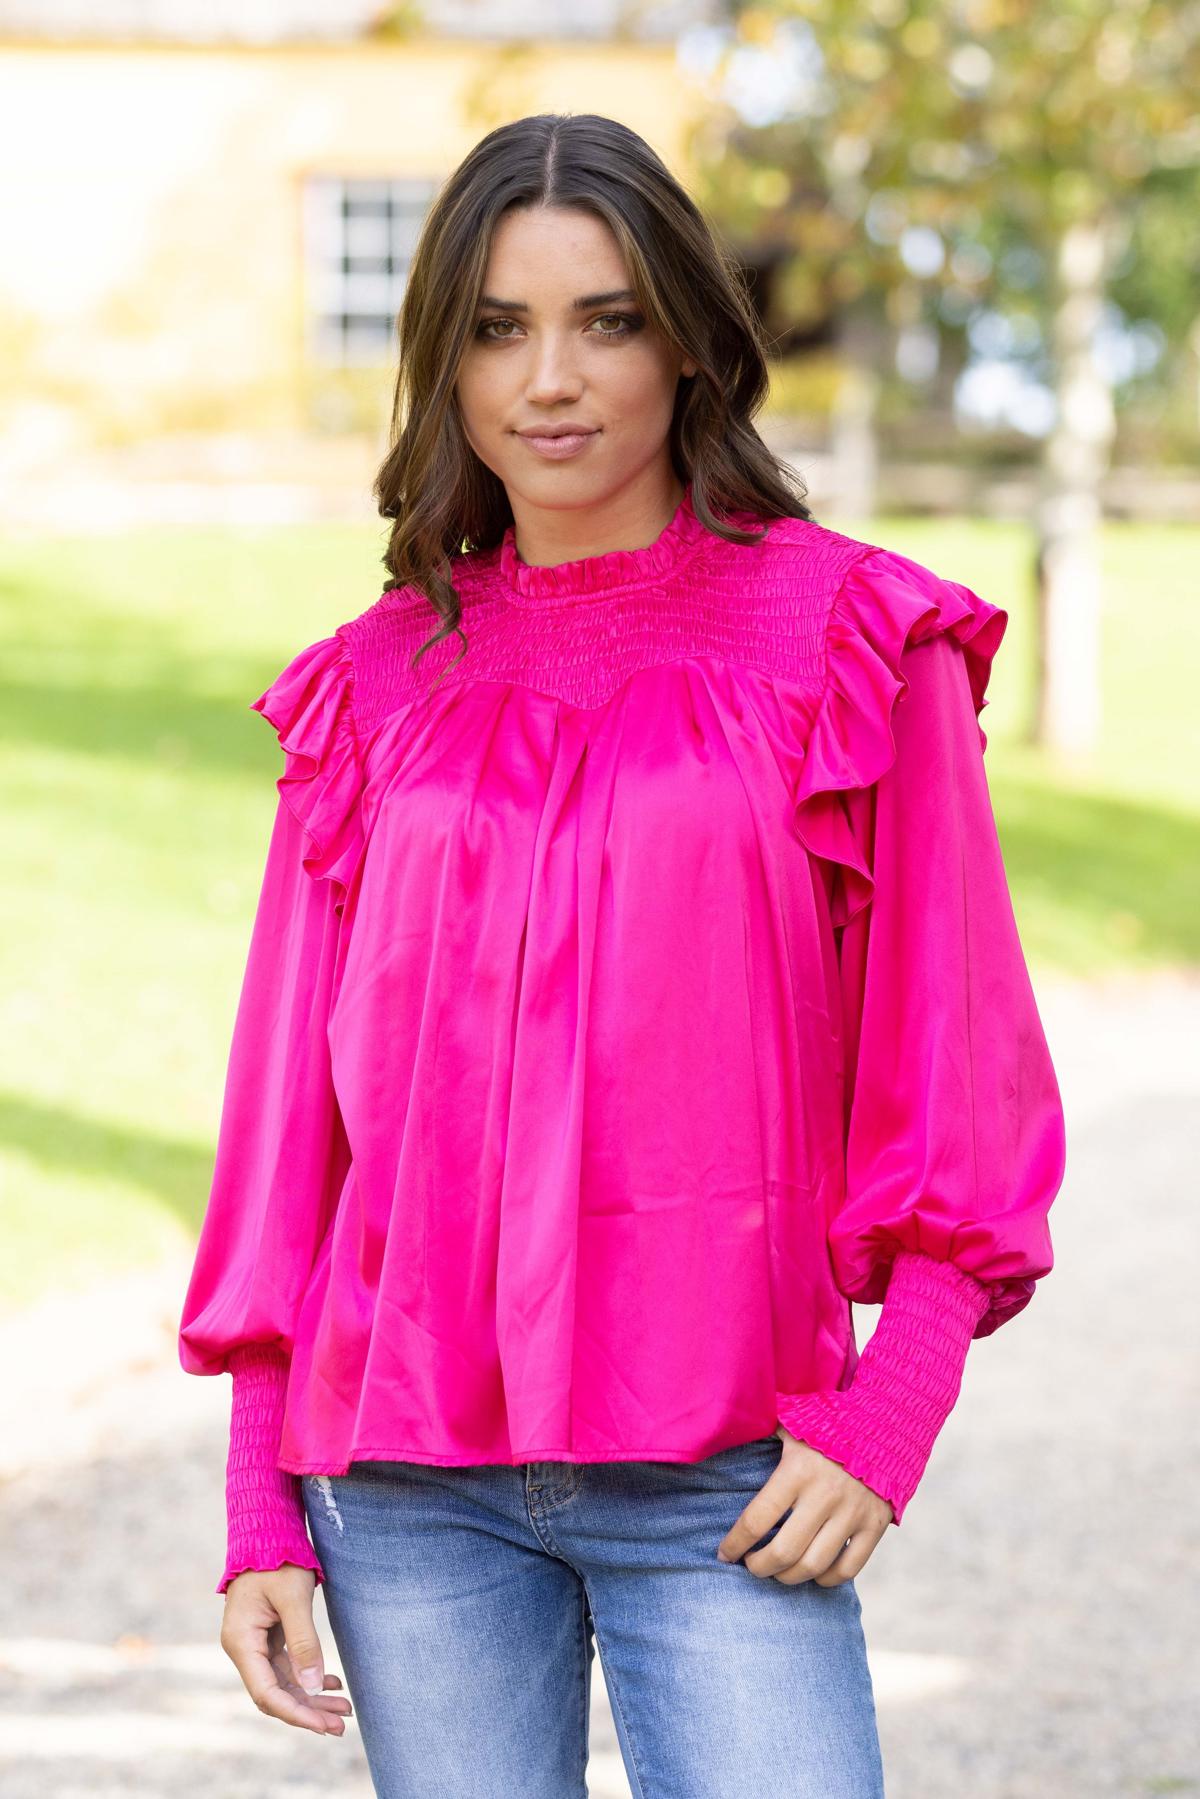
<point>972,231</point>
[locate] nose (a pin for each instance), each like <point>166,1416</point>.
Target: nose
<point>552,375</point>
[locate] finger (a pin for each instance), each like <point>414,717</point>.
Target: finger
<point>809,1515</point>
<point>278,1701</point>
<point>277,1650</point>
<point>822,1556</point>
<point>326,1701</point>
<point>767,1507</point>
<point>851,1561</point>
<point>303,1644</point>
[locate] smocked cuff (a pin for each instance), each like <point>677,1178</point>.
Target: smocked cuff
<point>267,1525</point>
<point>882,1427</point>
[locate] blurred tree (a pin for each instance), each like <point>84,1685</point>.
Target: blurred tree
<point>937,174</point>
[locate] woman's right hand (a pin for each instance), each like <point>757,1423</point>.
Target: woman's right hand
<point>269,1635</point>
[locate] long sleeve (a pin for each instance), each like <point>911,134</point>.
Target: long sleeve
<point>282,1154</point>
<point>954,1130</point>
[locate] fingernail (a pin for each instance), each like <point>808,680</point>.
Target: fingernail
<point>310,1680</point>
<point>721,1556</point>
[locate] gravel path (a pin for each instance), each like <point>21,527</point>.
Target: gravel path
<point>1031,1625</point>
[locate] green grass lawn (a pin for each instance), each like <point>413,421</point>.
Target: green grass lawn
<point>139,789</point>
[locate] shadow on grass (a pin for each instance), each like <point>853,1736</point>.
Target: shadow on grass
<point>1099,881</point>
<point>173,1174</point>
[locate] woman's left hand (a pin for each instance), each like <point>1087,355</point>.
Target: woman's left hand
<point>836,1520</point>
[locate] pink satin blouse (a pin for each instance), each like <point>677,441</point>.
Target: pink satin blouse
<point>621,1003</point>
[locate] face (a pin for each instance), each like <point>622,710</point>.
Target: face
<point>539,360</point>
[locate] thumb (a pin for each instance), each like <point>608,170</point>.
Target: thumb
<point>303,1643</point>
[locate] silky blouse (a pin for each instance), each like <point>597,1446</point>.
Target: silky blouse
<point>628,987</point>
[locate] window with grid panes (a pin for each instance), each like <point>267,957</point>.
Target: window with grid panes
<point>359,240</point>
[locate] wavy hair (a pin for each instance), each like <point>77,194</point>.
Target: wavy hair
<point>443,500</point>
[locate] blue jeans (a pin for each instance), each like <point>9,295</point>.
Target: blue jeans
<point>463,1602</point>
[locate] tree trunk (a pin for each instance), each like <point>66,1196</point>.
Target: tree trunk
<point>1068,708</point>
<point>854,444</point>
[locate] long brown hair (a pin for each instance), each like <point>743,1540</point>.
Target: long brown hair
<point>442,498</point>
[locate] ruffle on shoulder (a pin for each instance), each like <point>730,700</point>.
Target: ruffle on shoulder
<point>885,603</point>
<point>311,705</point>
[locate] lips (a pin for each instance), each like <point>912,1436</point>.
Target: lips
<point>558,431</point>
<point>557,442</point>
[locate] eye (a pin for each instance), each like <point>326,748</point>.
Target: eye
<point>629,322</point>
<point>482,331</point>
<point>626,323</point>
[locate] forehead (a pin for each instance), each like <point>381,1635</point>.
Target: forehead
<point>551,254</point>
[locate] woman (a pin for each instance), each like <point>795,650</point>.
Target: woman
<point>634,985</point>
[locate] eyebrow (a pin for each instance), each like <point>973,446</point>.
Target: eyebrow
<point>580,305</point>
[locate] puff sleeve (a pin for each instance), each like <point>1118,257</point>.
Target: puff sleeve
<point>954,1129</point>
<point>281,1154</point>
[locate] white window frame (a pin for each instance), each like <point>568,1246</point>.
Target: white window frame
<point>359,236</point>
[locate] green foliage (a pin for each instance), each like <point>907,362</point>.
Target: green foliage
<point>947,149</point>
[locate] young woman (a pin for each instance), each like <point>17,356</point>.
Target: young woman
<point>634,985</point>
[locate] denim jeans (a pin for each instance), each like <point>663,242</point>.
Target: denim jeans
<point>464,1602</point>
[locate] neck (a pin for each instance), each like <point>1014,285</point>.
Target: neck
<point>630,519</point>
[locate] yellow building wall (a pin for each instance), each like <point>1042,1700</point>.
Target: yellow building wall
<point>151,251</point>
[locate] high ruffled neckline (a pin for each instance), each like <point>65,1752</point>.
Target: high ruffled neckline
<point>596,577</point>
